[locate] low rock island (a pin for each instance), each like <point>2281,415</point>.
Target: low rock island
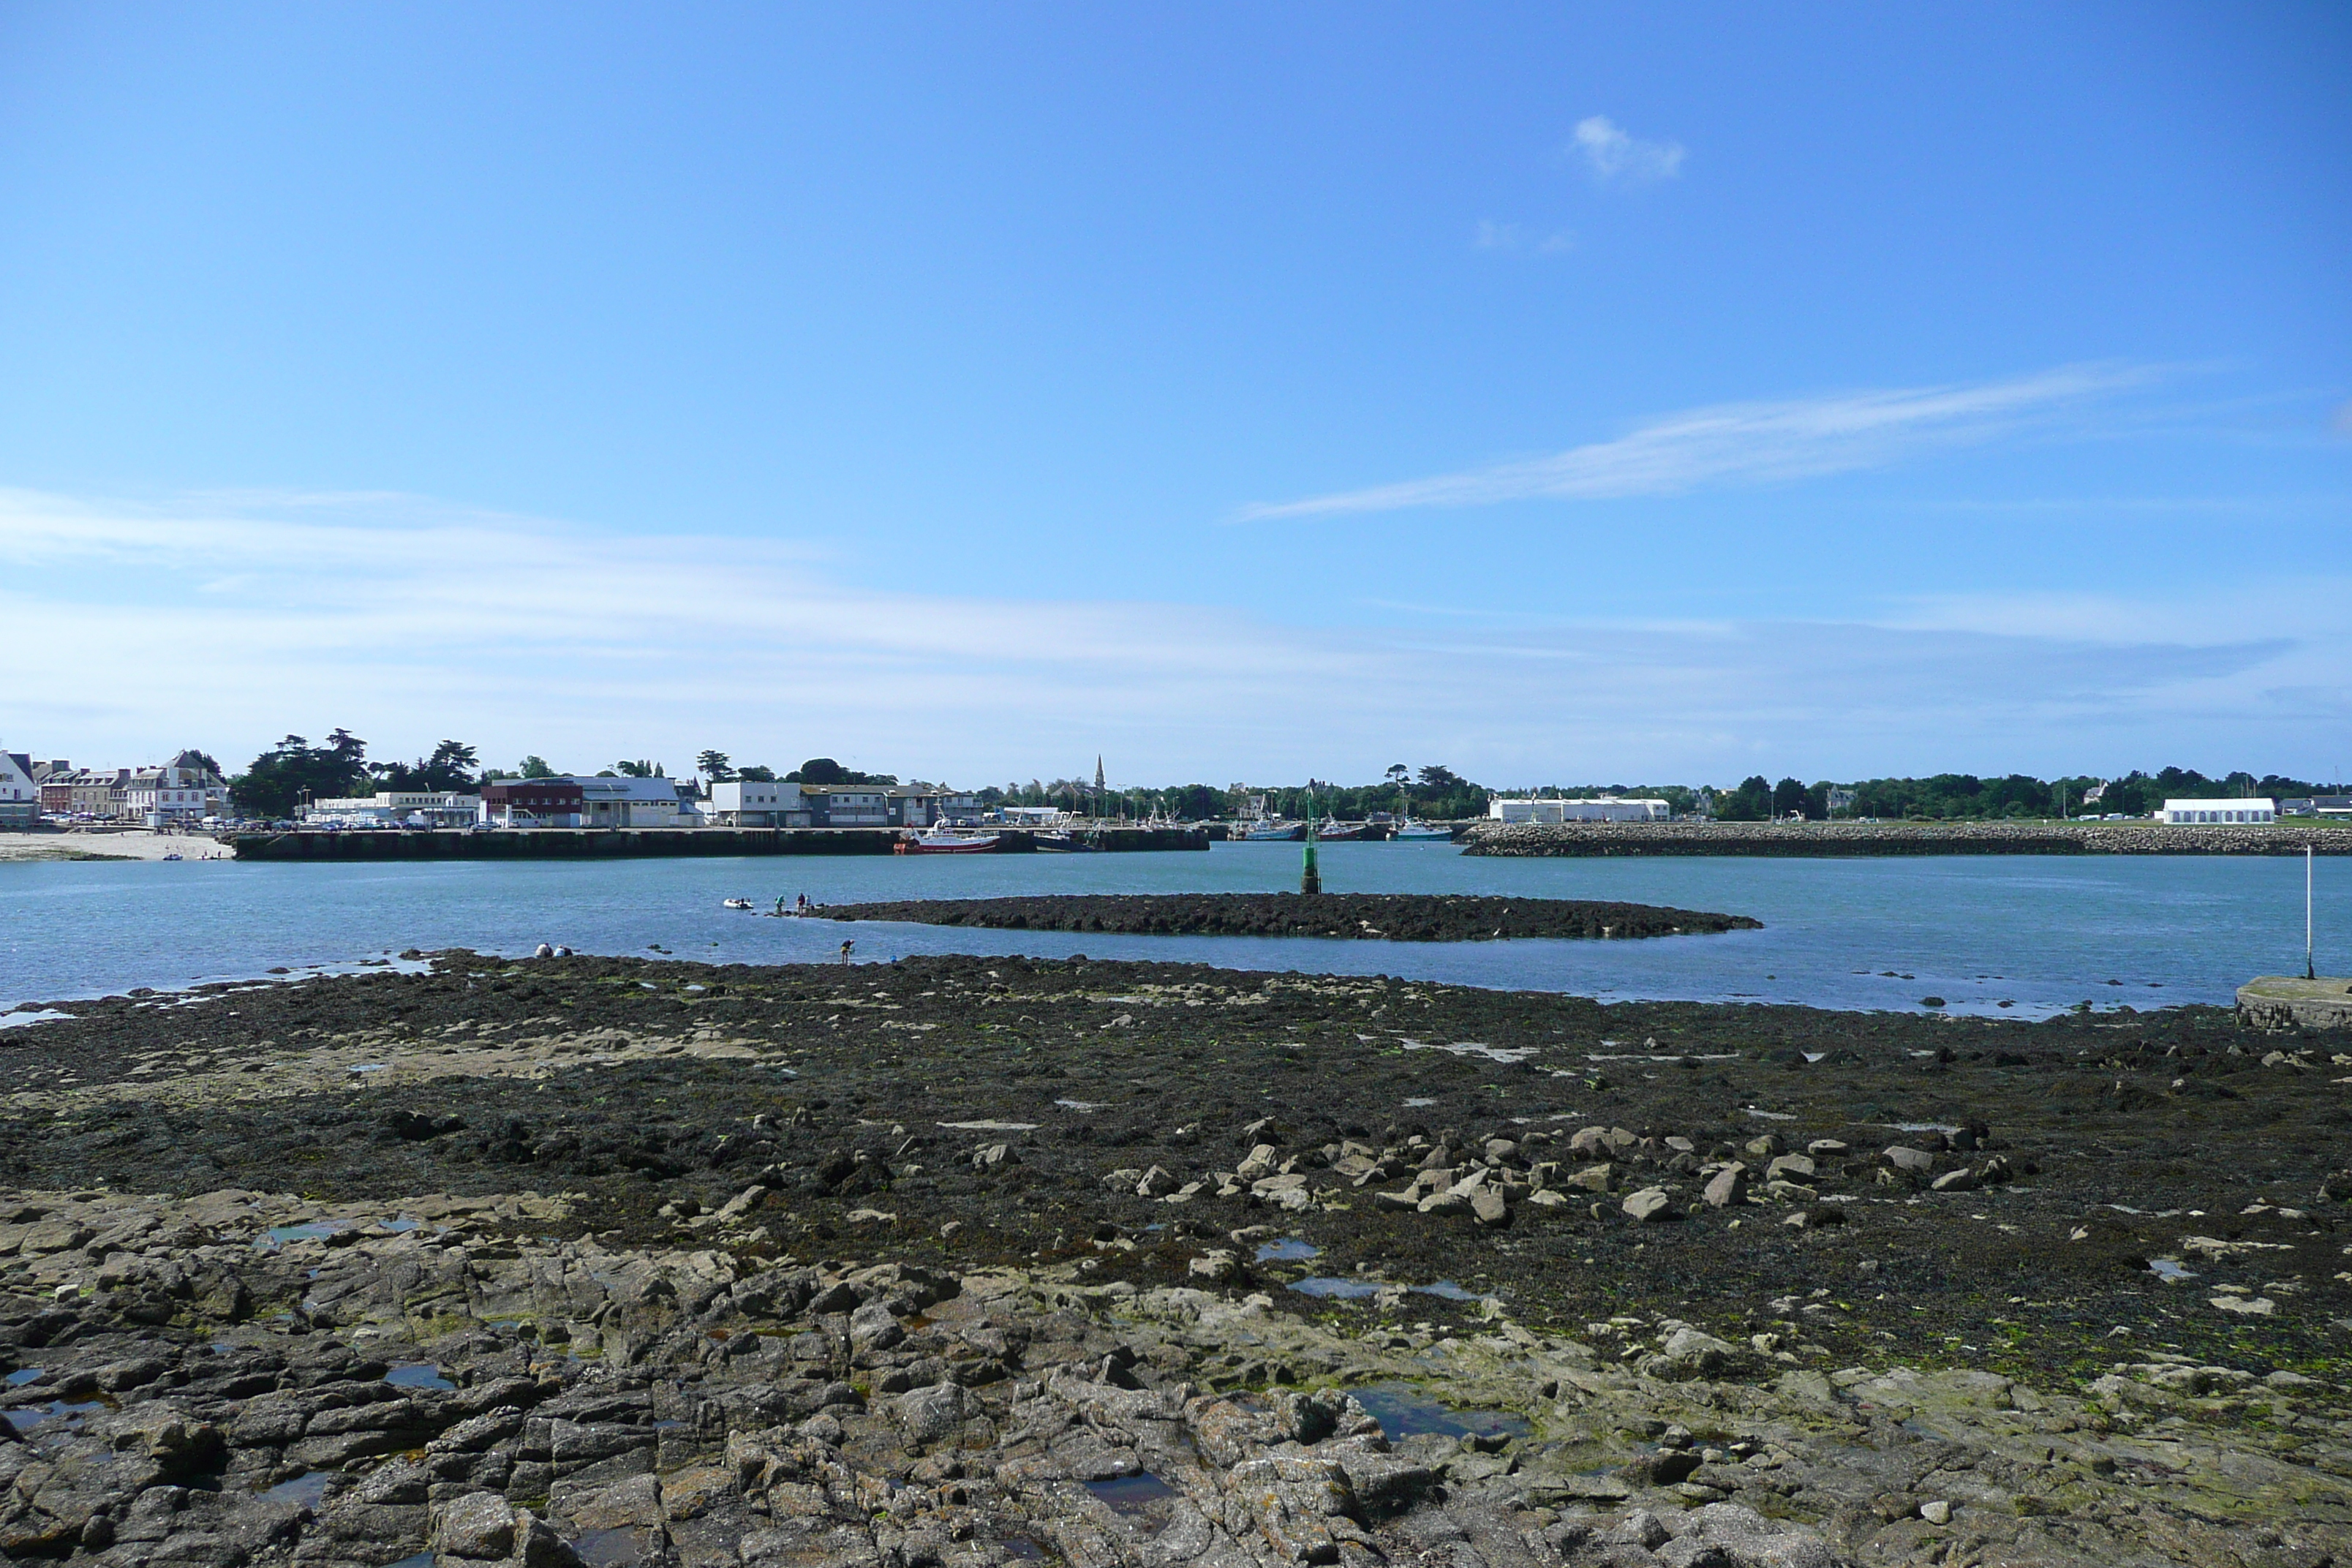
<point>1377,917</point>
<point>955,1262</point>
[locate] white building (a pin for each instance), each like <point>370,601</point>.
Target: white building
<point>394,808</point>
<point>1600,808</point>
<point>2218,812</point>
<point>630,802</point>
<point>180,792</point>
<point>758,802</point>
<point>20,797</point>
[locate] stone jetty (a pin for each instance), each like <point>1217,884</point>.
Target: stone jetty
<point>2283,1002</point>
<point>1817,838</point>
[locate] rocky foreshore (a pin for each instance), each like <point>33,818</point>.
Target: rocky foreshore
<point>959,1261</point>
<point>1901,838</point>
<point>1376,917</point>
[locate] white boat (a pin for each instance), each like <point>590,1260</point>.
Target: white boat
<point>945,841</point>
<point>738,904</point>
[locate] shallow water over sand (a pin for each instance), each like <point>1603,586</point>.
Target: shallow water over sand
<point>2040,933</point>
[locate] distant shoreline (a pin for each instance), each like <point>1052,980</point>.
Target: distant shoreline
<point>1844,838</point>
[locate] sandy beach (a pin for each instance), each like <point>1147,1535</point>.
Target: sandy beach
<point>136,844</point>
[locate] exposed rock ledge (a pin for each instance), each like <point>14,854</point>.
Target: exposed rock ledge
<point>469,1388</point>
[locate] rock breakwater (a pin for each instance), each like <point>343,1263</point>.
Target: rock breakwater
<point>1379,917</point>
<point>1900,838</point>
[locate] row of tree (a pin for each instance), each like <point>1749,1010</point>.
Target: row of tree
<point>718,767</point>
<point>1437,792</point>
<point>277,782</point>
<point>282,779</point>
<point>1967,797</point>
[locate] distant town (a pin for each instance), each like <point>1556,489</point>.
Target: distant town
<point>335,784</point>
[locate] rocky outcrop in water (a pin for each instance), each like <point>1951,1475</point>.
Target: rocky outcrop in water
<point>1377,917</point>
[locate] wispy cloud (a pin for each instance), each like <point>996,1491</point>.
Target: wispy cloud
<point>1511,236</point>
<point>239,618</point>
<point>225,622</point>
<point>2307,608</point>
<point>1747,443</point>
<point>1615,155</point>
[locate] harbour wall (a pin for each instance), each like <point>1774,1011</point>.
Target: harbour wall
<point>649,843</point>
<point>1820,839</point>
<point>2279,1002</point>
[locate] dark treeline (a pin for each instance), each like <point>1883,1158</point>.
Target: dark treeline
<point>1440,793</point>
<point>1437,792</point>
<point>1964,796</point>
<point>279,782</point>
<point>282,779</point>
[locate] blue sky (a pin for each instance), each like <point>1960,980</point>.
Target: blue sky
<point>1573,393</point>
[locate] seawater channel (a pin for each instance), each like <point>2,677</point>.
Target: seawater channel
<point>2039,932</point>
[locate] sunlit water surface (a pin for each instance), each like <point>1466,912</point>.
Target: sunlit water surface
<point>2041,933</point>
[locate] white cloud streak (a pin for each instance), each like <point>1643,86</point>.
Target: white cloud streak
<point>226,622</point>
<point>1615,155</point>
<point>1746,443</point>
<point>1514,238</point>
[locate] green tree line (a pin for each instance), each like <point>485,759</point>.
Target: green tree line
<point>1946,797</point>
<point>282,779</point>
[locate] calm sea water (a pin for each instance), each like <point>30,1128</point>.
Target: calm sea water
<point>2041,933</point>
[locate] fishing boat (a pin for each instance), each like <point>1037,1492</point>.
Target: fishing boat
<point>1271,832</point>
<point>1064,844</point>
<point>1412,828</point>
<point>945,841</point>
<point>1343,833</point>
